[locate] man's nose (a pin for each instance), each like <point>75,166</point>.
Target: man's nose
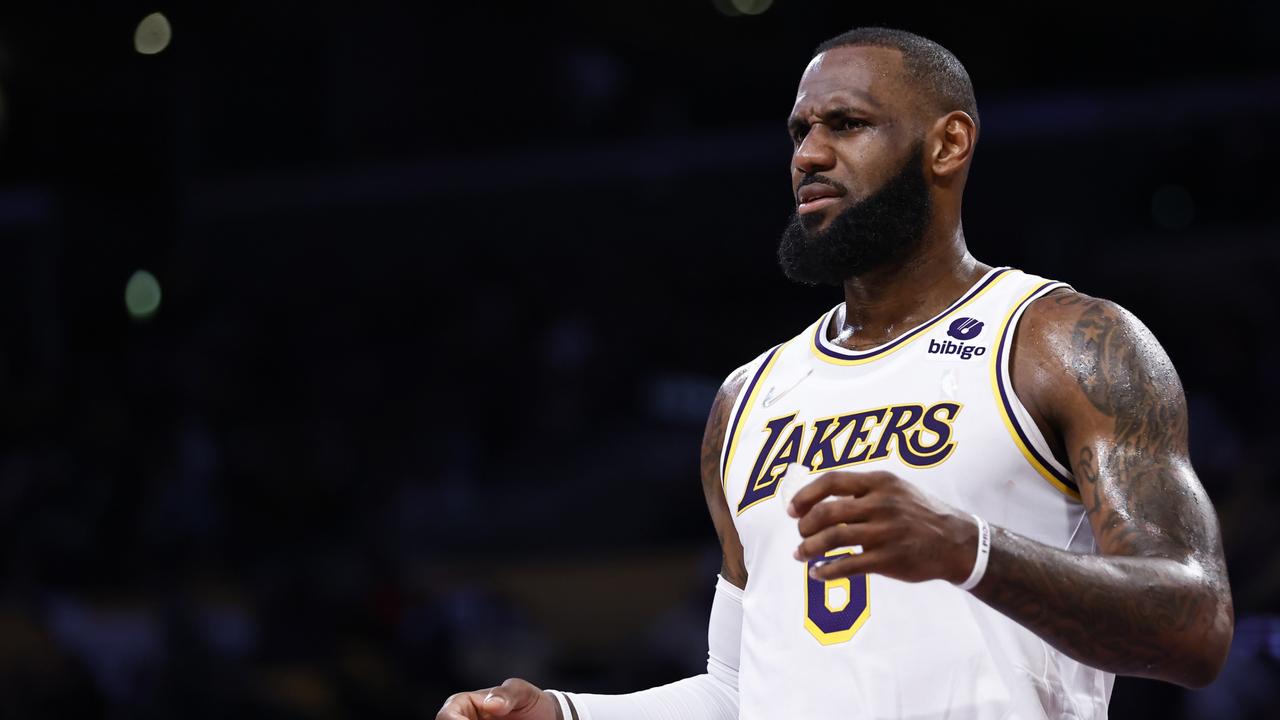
<point>814,153</point>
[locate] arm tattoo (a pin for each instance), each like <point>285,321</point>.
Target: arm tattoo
<point>1156,601</point>
<point>1148,447</point>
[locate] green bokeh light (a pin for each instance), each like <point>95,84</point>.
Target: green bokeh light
<point>751,7</point>
<point>153,34</point>
<point>142,295</point>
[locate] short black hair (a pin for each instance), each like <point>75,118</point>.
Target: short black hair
<point>934,69</point>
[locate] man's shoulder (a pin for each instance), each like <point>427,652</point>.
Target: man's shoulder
<point>741,375</point>
<point>1070,342</point>
<point>1066,317</point>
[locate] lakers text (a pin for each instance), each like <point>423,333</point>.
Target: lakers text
<point>921,436</point>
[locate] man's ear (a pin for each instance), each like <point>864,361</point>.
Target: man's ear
<point>950,146</point>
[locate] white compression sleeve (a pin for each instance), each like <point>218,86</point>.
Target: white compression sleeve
<point>710,696</point>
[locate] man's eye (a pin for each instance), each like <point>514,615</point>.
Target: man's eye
<point>798,134</point>
<point>852,123</point>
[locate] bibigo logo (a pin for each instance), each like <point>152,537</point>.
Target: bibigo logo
<point>961,329</point>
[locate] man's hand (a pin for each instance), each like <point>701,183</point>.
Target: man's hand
<point>904,533</point>
<point>514,699</point>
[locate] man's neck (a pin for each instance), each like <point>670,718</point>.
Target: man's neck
<point>882,304</point>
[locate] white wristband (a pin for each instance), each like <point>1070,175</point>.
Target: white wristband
<point>565,711</point>
<point>984,554</point>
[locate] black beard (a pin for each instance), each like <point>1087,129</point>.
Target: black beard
<point>882,229</point>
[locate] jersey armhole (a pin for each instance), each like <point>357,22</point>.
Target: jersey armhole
<point>1022,428</point>
<point>742,408</point>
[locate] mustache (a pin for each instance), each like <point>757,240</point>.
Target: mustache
<point>823,179</point>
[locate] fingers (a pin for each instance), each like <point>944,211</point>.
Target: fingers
<point>513,695</point>
<point>853,514</point>
<point>835,512</point>
<point>817,544</point>
<point>462,706</point>
<point>849,565</point>
<point>835,483</point>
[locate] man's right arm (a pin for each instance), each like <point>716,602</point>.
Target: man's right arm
<point>713,694</point>
<point>733,565</point>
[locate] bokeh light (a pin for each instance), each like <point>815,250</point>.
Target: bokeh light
<point>153,34</point>
<point>752,7</point>
<point>726,7</point>
<point>736,8</point>
<point>142,295</point>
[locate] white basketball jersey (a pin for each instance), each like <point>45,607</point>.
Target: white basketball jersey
<point>935,407</point>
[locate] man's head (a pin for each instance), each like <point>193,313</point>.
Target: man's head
<point>883,127</point>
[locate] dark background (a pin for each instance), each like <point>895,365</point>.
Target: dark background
<point>448,289</point>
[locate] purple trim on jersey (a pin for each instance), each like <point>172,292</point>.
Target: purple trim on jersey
<point>1004,395</point>
<point>820,338</point>
<point>746,398</point>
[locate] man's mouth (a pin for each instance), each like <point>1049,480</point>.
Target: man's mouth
<point>816,204</point>
<point>815,196</point>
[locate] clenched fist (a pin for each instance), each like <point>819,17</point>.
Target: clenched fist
<point>904,533</point>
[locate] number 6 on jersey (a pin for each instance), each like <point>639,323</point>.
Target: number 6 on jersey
<point>835,609</point>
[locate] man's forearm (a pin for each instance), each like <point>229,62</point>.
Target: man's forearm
<point>1147,616</point>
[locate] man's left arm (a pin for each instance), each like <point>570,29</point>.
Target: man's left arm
<point>1155,602</point>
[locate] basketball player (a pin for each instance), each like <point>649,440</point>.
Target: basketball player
<point>965,491</point>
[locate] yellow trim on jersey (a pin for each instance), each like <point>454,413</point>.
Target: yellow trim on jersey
<point>746,413</point>
<point>1004,415</point>
<point>918,330</point>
